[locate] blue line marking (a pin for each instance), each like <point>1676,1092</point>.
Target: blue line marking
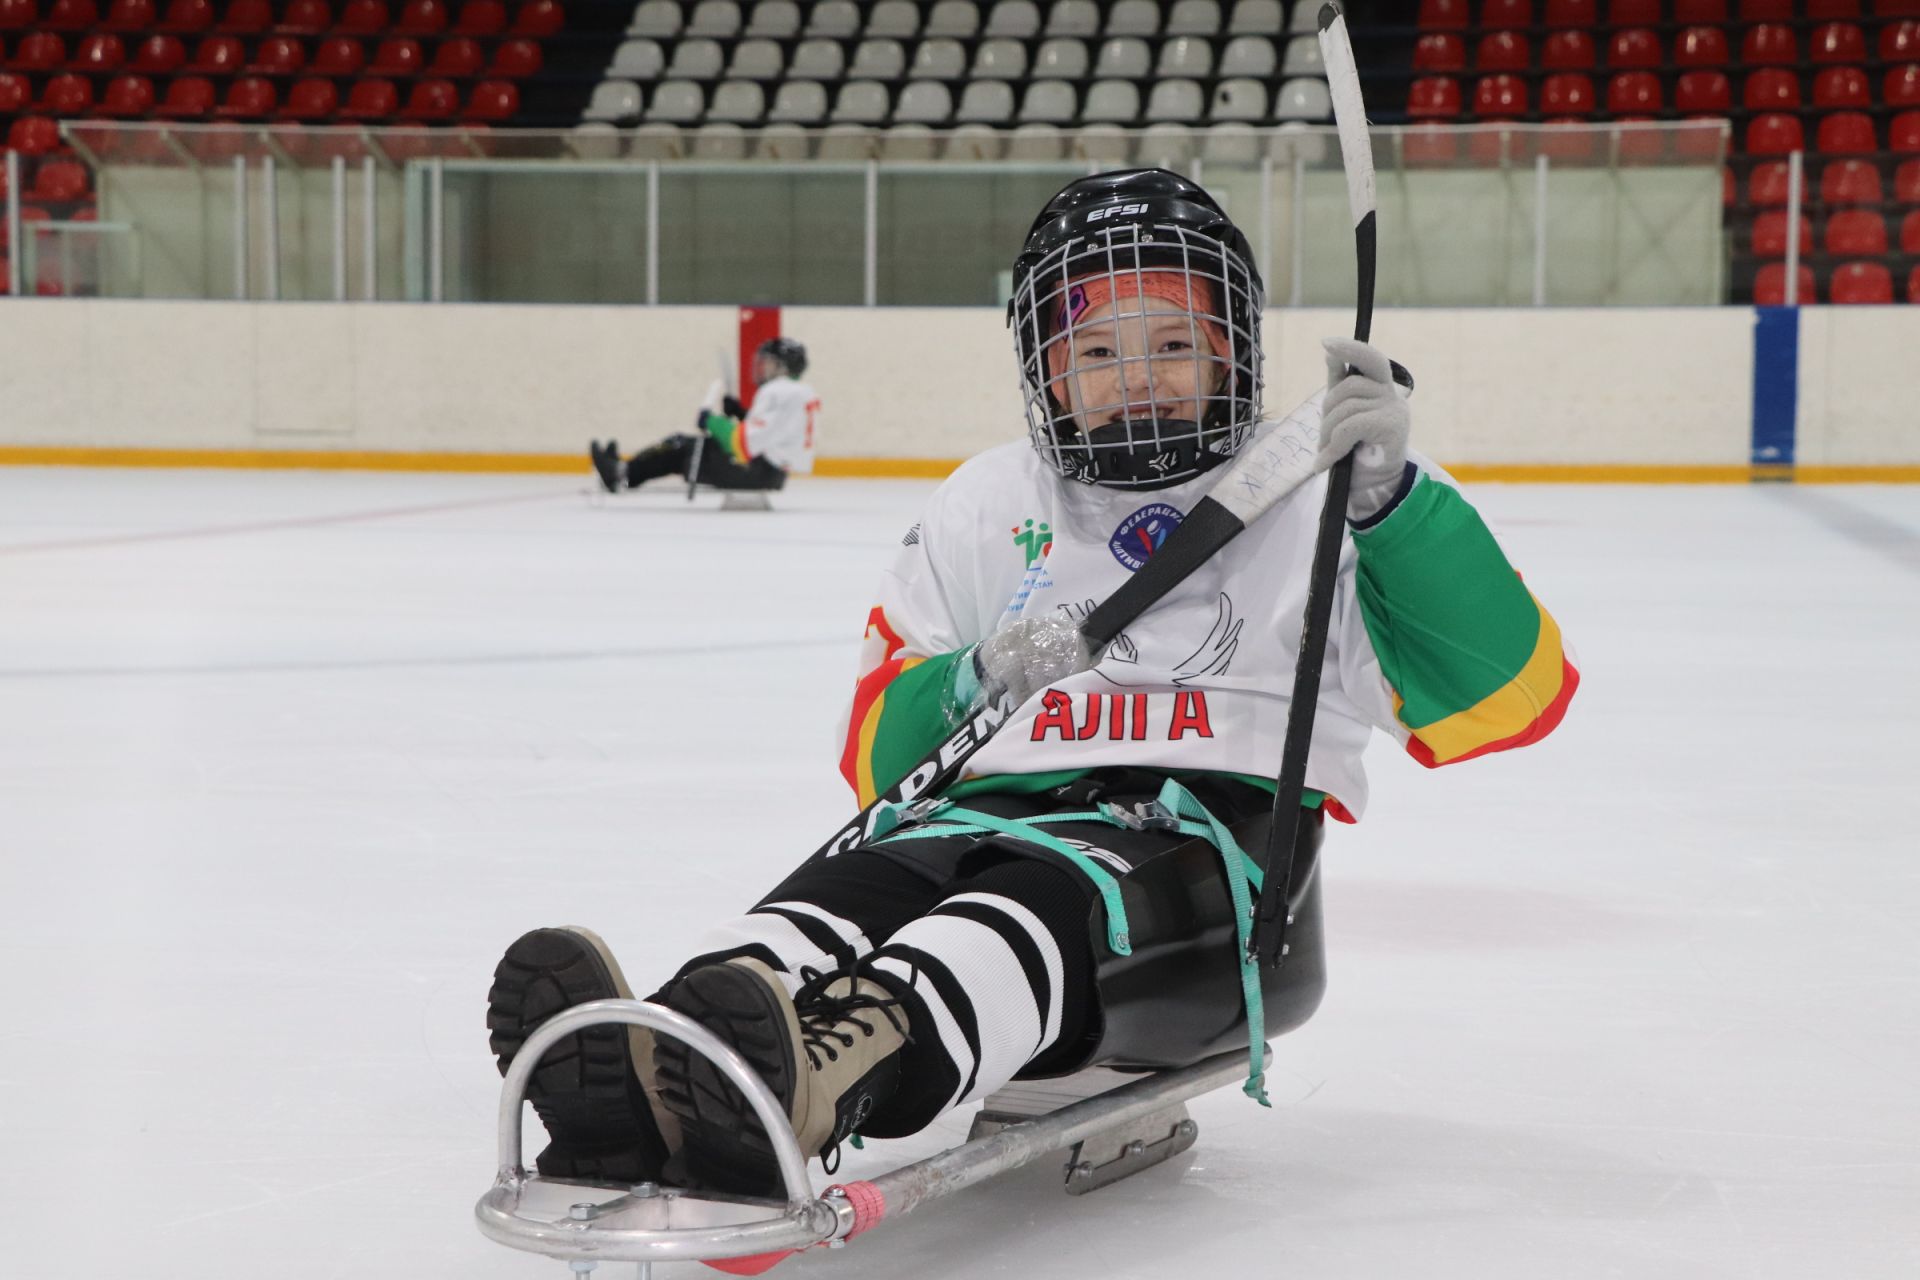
<point>1776,383</point>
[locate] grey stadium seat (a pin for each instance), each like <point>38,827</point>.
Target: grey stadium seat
<point>1243,99</point>
<point>834,19</point>
<point>954,18</point>
<point>1292,141</point>
<point>1248,56</point>
<point>656,142</point>
<point>896,19</point>
<point>1305,17</point>
<point>845,143</point>
<point>1061,59</point>
<point>1303,57</point>
<point>783,142</point>
<point>1015,19</point>
<point>986,102</point>
<point>1103,144</point>
<point>924,102</point>
<point>1133,18</point>
<point>738,102</point>
<point>655,18</point>
<point>939,59</point>
<point>614,100</point>
<point>860,102</point>
<point>818,60</point>
<point>1194,18</point>
<point>1179,100</point>
<point>1124,58</point>
<point>1000,59</point>
<point>878,60</point>
<point>677,102</point>
<point>798,102</point>
<point>1303,100</point>
<point>638,60</point>
<point>1256,17</point>
<point>594,140</point>
<point>1073,18</point>
<point>756,59</point>
<point>1234,143</point>
<point>1185,56</point>
<point>907,142</point>
<point>695,60</point>
<point>718,19</point>
<point>1111,102</point>
<point>972,142</point>
<point>1047,102</point>
<point>720,142</point>
<point>774,19</point>
<point>1031,142</point>
<point>1167,146</point>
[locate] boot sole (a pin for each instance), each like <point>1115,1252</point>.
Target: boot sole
<point>586,1090</point>
<point>726,1146</point>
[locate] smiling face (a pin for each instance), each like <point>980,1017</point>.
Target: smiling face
<point>1137,358</point>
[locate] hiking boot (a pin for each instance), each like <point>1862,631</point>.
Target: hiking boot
<point>592,1088</point>
<point>830,1053</point>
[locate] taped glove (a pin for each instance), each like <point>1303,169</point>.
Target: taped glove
<point>732,407</point>
<point>1021,659</point>
<point>1365,414</point>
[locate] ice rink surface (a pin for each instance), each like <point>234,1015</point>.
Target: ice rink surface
<point>286,759</point>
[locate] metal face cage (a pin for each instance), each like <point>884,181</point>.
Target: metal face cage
<point>1162,386</point>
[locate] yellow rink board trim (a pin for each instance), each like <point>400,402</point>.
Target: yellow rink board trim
<point>888,468</point>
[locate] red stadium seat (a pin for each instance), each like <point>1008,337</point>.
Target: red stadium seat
<point>67,95</point>
<point>16,92</point>
<point>99,53</point>
<point>422,18</point>
<point>1633,13</point>
<point>1842,87</point>
<point>515,60</point>
<point>1702,93</point>
<point>1506,15</point>
<point>306,17</point>
<point>397,56</point>
<point>34,136</point>
<point>159,56</point>
<point>279,56</point>
<point>1771,89</point>
<point>1433,98</point>
<point>1701,47</point>
<point>1896,8</point>
<point>186,17</point>
<point>1906,182</point>
<point>339,56</point>
<point>188,98</point>
<point>1503,51</point>
<point>218,56</point>
<point>1902,86</point>
<point>1846,133</point>
<point>1855,233</point>
<point>1770,234</point>
<point>1766,10</point>
<point>1446,15</point>
<point>1705,13</point>
<point>1636,48</point>
<point>1833,10</point>
<point>539,19</point>
<point>1567,51</point>
<point>1572,13</point>
<point>363,18</point>
<point>431,100</point>
<point>481,18</point>
<point>1910,234</point>
<point>130,15</point>
<point>1566,95</point>
<point>1774,134</point>
<point>1839,42</point>
<point>1500,97</point>
<point>1867,284</point>
<point>61,182</point>
<point>246,17</point>
<point>1770,285</point>
<point>18,15</point>
<point>1903,135</point>
<point>1850,182</point>
<point>71,15</point>
<point>1435,51</point>
<point>371,99</point>
<point>458,59</point>
<point>128,97</point>
<point>1633,94</point>
<point>39,51</point>
<point>1769,45</point>
<point>493,100</point>
<point>249,98</point>
<point>311,99</point>
<point>1900,42</point>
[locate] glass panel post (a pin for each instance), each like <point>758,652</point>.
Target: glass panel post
<point>339,167</point>
<point>653,233</point>
<point>1540,230</point>
<point>13,220</point>
<point>436,229</point>
<point>1298,256</point>
<point>240,236</point>
<point>1795,178</point>
<point>369,229</point>
<point>872,247</point>
<point>270,215</point>
<point>1266,218</point>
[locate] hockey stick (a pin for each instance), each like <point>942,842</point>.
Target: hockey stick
<point>700,440</point>
<point>1268,943</point>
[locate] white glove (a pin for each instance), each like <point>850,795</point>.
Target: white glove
<point>1365,414</point>
<point>1023,659</point>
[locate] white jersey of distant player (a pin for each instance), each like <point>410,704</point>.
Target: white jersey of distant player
<point>781,423</point>
<point>1201,681</point>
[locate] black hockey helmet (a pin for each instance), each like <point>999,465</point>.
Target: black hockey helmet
<point>791,355</point>
<point>1101,237</point>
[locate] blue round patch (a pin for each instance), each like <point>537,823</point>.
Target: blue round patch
<point>1141,534</point>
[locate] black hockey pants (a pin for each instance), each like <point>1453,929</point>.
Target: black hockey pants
<point>674,455</point>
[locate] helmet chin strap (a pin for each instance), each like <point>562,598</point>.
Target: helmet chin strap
<point>1138,454</point>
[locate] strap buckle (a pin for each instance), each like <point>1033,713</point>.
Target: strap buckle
<point>1144,815</point>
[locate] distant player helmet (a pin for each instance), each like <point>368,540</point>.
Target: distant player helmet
<point>1141,234</point>
<point>790,354</point>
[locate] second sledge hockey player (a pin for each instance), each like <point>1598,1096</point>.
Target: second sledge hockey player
<point>736,447</point>
<point>1070,901</point>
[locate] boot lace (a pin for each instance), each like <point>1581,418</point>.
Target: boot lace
<point>826,1020</point>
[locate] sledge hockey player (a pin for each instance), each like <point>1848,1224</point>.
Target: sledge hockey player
<point>733,447</point>
<point>1068,902</point>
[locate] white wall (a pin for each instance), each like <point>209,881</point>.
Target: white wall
<point>1611,386</point>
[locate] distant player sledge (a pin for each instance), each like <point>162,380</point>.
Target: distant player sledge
<point>1066,733</point>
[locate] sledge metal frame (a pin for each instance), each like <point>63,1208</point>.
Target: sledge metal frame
<point>1117,1131</point>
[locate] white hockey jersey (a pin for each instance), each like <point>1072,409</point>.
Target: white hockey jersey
<point>780,424</point>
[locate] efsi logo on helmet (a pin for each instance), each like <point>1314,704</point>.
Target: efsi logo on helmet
<point>1116,211</point>
<point>1141,534</point>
